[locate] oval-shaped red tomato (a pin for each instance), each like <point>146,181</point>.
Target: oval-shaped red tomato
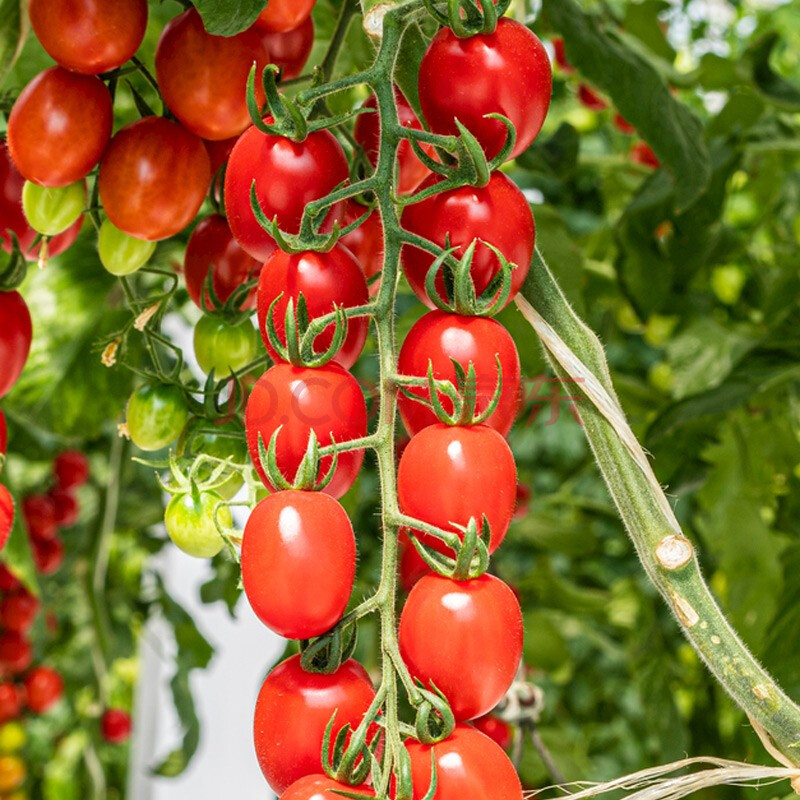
<point>48,555</point>
<point>294,539</point>
<point>15,338</point>
<point>290,50</point>
<point>16,653</point>
<point>66,507</point>
<point>366,241</point>
<point>327,281</point>
<point>212,246</point>
<point>507,72</point>
<point>39,512</point>
<point>497,213</point>
<point>6,518</point>
<point>153,178</point>
<point>368,134</point>
<point>498,730</point>
<point>59,127</point>
<point>321,787</point>
<point>43,689</point>
<point>3,434</point>
<point>289,175</point>
<point>71,469</point>
<point>449,474</point>
<point>440,339</point>
<point>12,218</point>
<point>89,36</point>
<point>468,765</point>
<point>476,622</point>
<point>18,611</point>
<point>294,707</point>
<point>326,400</point>
<point>9,582</point>
<point>284,15</point>
<point>10,702</point>
<point>116,726</point>
<point>203,78</point>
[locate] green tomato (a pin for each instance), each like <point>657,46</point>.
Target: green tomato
<point>121,254</point>
<point>222,347</point>
<point>225,441</point>
<point>51,210</point>
<point>728,283</point>
<point>12,738</point>
<point>190,523</point>
<point>156,415</point>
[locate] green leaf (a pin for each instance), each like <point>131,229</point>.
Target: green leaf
<point>13,32</point>
<point>406,68</point>
<point>639,93</point>
<point>641,20</point>
<point>774,87</point>
<point>229,17</point>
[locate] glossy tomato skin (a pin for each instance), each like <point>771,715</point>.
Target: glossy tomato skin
<point>156,415</point>
<point>293,710</point>
<point>321,787</point>
<point>477,623</point>
<point>326,281</point>
<point>43,689</point>
<point>284,15</point>
<point>507,72</point>
<point>289,175</point>
<point>71,469</point>
<point>3,435</point>
<point>497,213</point>
<point>15,338</point>
<point>116,726</point>
<point>212,246</point>
<point>290,50</point>
<point>203,78</point>
<point>89,36</point>
<point>189,521</point>
<point>295,539</point>
<point>468,765</point>
<point>6,515</point>
<point>368,134</point>
<point>18,611</point>
<point>222,347</point>
<point>59,127</point>
<point>498,730</point>
<point>10,702</point>
<point>366,241</point>
<point>440,338</point>
<point>153,178</point>
<point>326,400</point>
<point>16,653</point>
<point>13,219</point>
<point>449,474</point>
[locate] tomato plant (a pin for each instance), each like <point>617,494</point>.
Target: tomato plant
<point>223,347</point>
<point>16,653</point>
<point>120,253</point>
<point>116,725</point>
<point>156,415</point>
<point>18,611</point>
<point>366,241</point>
<point>285,15</point>
<point>51,211</point>
<point>320,787</point>
<point>10,702</point>
<point>290,50</point>
<point>43,689</point>
<point>497,729</point>
<point>189,520</point>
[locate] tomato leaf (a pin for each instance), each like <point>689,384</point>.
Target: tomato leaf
<point>13,32</point>
<point>229,17</point>
<point>775,88</point>
<point>639,93</point>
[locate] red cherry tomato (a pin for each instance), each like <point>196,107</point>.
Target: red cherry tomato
<point>15,338</point>
<point>89,36</point>
<point>321,787</point>
<point>507,72</point>
<point>9,582</point>
<point>43,689</point>
<point>476,622</point>
<point>412,565</point>
<point>203,78</point>
<point>497,213</point>
<point>71,469</point>
<point>10,702</point>
<point>498,730</point>
<point>219,151</point>
<point>39,512</point>
<point>12,219</point>
<point>326,400</point>
<point>289,175</point>
<point>368,134</point>
<point>16,653</point>
<point>294,539</point>
<point>366,241</point>
<point>468,765</point>
<point>65,506</point>
<point>293,710</point>
<point>6,525</point>
<point>643,154</point>
<point>153,178</point>
<point>590,99</point>
<point>561,56</point>
<point>285,15</point>
<point>212,246</point>
<point>59,127</point>
<point>326,281</point>
<point>290,50</point>
<point>523,504</point>
<point>442,338</point>
<point>18,611</point>
<point>449,474</point>
<point>622,125</point>
<point>116,726</point>
<point>48,555</point>
<point>3,435</point>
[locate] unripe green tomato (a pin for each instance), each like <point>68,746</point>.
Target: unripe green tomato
<point>12,738</point>
<point>659,328</point>
<point>156,415</point>
<point>51,210</point>
<point>227,442</point>
<point>121,254</point>
<point>222,347</point>
<point>728,282</point>
<point>190,523</point>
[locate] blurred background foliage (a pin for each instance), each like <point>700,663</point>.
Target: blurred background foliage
<point>690,275</point>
